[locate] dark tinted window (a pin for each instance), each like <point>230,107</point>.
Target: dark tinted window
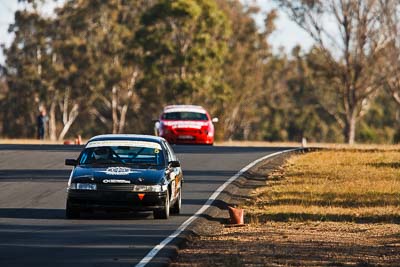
<point>180,116</point>
<point>170,152</point>
<point>122,155</point>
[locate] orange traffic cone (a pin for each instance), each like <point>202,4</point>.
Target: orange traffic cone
<point>236,216</point>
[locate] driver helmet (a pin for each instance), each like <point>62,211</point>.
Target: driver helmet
<point>101,153</point>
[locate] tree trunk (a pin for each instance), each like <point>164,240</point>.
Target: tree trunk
<point>230,124</point>
<point>114,110</point>
<point>350,129</point>
<point>52,121</point>
<point>122,119</point>
<point>73,114</point>
<point>65,106</point>
<point>246,131</point>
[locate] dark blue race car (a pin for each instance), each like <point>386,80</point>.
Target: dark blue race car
<point>125,172</point>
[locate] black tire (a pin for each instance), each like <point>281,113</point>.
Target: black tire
<point>164,212</point>
<point>176,208</point>
<point>72,213</point>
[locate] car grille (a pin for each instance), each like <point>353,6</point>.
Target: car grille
<point>188,131</point>
<point>115,187</point>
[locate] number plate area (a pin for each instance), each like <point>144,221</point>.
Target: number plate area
<point>186,137</point>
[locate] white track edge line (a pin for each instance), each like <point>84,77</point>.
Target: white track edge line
<point>213,197</point>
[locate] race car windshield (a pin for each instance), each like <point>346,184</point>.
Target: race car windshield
<point>142,156</point>
<point>185,115</point>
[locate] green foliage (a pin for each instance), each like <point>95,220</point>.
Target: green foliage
<point>243,75</point>
<point>110,66</point>
<point>26,63</point>
<point>381,123</point>
<point>184,43</point>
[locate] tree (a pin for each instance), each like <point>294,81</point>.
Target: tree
<point>243,71</point>
<point>391,54</point>
<point>351,58</point>
<point>3,94</point>
<point>184,46</point>
<point>25,72</point>
<point>97,63</point>
<point>35,75</point>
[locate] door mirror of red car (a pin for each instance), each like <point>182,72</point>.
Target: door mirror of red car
<point>71,162</point>
<point>215,120</point>
<point>174,164</point>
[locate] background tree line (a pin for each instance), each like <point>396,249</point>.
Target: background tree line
<point>110,66</point>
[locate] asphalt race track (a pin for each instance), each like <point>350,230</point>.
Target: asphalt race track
<point>34,232</point>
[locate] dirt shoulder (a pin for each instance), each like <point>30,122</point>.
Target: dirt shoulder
<point>285,243</point>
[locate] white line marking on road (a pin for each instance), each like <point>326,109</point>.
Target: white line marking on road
<point>213,197</point>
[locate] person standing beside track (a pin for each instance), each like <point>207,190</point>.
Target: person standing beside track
<point>42,119</point>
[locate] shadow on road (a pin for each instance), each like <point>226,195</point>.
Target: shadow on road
<point>57,214</point>
<point>34,175</point>
<point>27,213</point>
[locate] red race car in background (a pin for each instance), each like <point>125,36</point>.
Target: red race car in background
<point>186,124</point>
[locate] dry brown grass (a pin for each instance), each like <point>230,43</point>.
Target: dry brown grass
<point>309,214</point>
<point>337,185</point>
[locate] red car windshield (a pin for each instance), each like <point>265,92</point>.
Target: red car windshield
<point>185,115</point>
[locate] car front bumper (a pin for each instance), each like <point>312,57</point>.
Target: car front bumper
<point>86,199</point>
<point>189,139</point>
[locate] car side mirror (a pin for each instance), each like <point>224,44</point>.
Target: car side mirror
<point>174,164</point>
<point>215,119</point>
<point>71,162</point>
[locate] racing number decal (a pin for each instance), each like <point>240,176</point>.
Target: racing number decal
<point>175,184</point>
<point>178,185</point>
<point>173,189</point>
<point>175,178</point>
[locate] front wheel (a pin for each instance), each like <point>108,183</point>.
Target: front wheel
<point>164,212</point>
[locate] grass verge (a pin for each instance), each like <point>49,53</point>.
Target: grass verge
<point>324,208</point>
<point>352,186</point>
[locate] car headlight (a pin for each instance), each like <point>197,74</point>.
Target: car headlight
<point>83,186</point>
<point>150,188</point>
